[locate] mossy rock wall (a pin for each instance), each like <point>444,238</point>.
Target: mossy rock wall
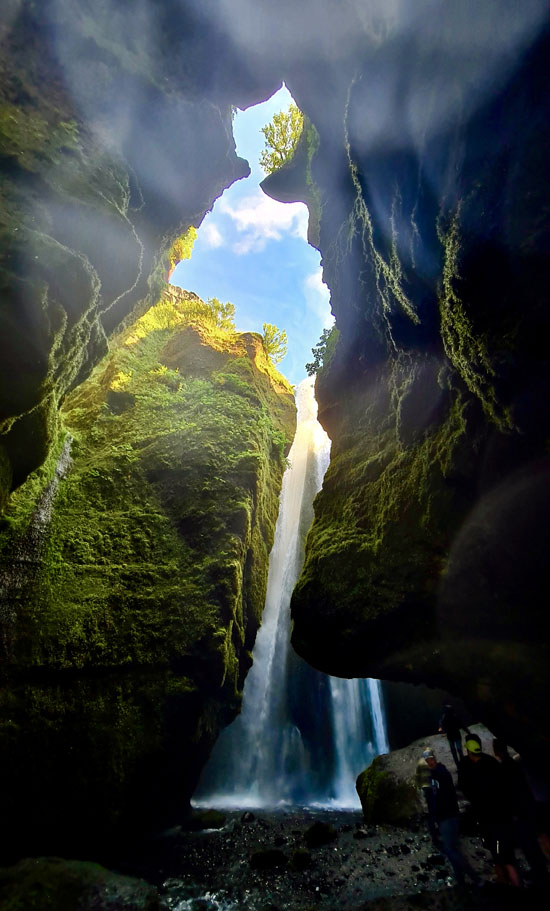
<point>114,139</point>
<point>427,559</point>
<point>135,569</point>
<point>425,168</point>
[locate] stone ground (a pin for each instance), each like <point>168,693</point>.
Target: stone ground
<point>262,861</point>
<point>362,867</point>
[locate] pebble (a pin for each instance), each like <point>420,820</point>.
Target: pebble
<point>402,861</point>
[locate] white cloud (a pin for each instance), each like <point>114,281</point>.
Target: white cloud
<point>212,236</point>
<point>260,219</point>
<point>317,297</point>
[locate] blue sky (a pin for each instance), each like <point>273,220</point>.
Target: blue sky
<point>253,252</point>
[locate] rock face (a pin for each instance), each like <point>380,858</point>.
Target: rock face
<point>110,149</point>
<point>137,585</point>
<point>427,560</point>
<point>425,170</point>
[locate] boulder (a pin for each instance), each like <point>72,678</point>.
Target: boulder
<point>53,884</point>
<point>384,797</point>
<point>320,833</point>
<point>387,788</point>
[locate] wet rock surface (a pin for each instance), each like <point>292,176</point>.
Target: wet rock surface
<point>264,863</point>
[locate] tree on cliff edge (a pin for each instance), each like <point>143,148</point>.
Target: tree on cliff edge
<point>281,138</point>
<point>323,350</point>
<point>275,342</point>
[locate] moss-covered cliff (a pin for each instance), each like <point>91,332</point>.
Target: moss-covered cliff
<point>133,589</point>
<point>426,173</point>
<point>427,560</point>
<point>109,150</point>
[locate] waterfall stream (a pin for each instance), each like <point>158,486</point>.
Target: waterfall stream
<point>302,737</point>
<point>28,551</point>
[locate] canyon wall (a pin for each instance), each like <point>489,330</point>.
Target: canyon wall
<point>427,560</point>
<point>134,571</point>
<point>424,167</point>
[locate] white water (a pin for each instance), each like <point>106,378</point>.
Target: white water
<point>302,737</point>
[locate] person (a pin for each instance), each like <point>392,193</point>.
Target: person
<point>481,781</point>
<point>424,784</point>
<point>524,813</point>
<point>449,724</point>
<point>445,810</point>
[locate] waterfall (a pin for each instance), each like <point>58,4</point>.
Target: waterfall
<point>28,551</point>
<point>302,737</point>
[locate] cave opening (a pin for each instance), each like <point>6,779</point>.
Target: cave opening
<point>253,252</point>
<point>318,731</point>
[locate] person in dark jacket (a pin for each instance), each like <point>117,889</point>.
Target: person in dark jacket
<point>523,806</point>
<point>449,724</point>
<point>481,781</point>
<point>424,784</point>
<point>445,810</point>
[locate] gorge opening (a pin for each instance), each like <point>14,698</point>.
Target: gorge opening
<point>306,735</point>
<point>252,251</point>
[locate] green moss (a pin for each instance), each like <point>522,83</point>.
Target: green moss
<point>31,139</point>
<point>384,799</point>
<point>311,138</point>
<point>467,351</point>
<point>385,271</point>
<point>384,521</point>
<point>153,564</point>
<point>52,884</point>
<point>182,247</point>
<point>5,478</point>
<point>328,351</point>
<point>206,819</point>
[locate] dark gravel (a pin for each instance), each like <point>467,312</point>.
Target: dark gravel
<point>296,861</point>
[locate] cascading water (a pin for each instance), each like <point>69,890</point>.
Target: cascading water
<point>302,737</point>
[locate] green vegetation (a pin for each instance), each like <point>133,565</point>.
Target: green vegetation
<point>323,350</point>
<point>53,884</point>
<point>313,196</point>
<point>149,579</point>
<point>177,308</point>
<point>384,520</point>
<point>275,342</point>
<point>31,139</point>
<point>182,247</point>
<point>173,434</point>
<point>223,314</point>
<point>467,351</point>
<point>382,278</point>
<point>281,138</point>
<point>384,799</point>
